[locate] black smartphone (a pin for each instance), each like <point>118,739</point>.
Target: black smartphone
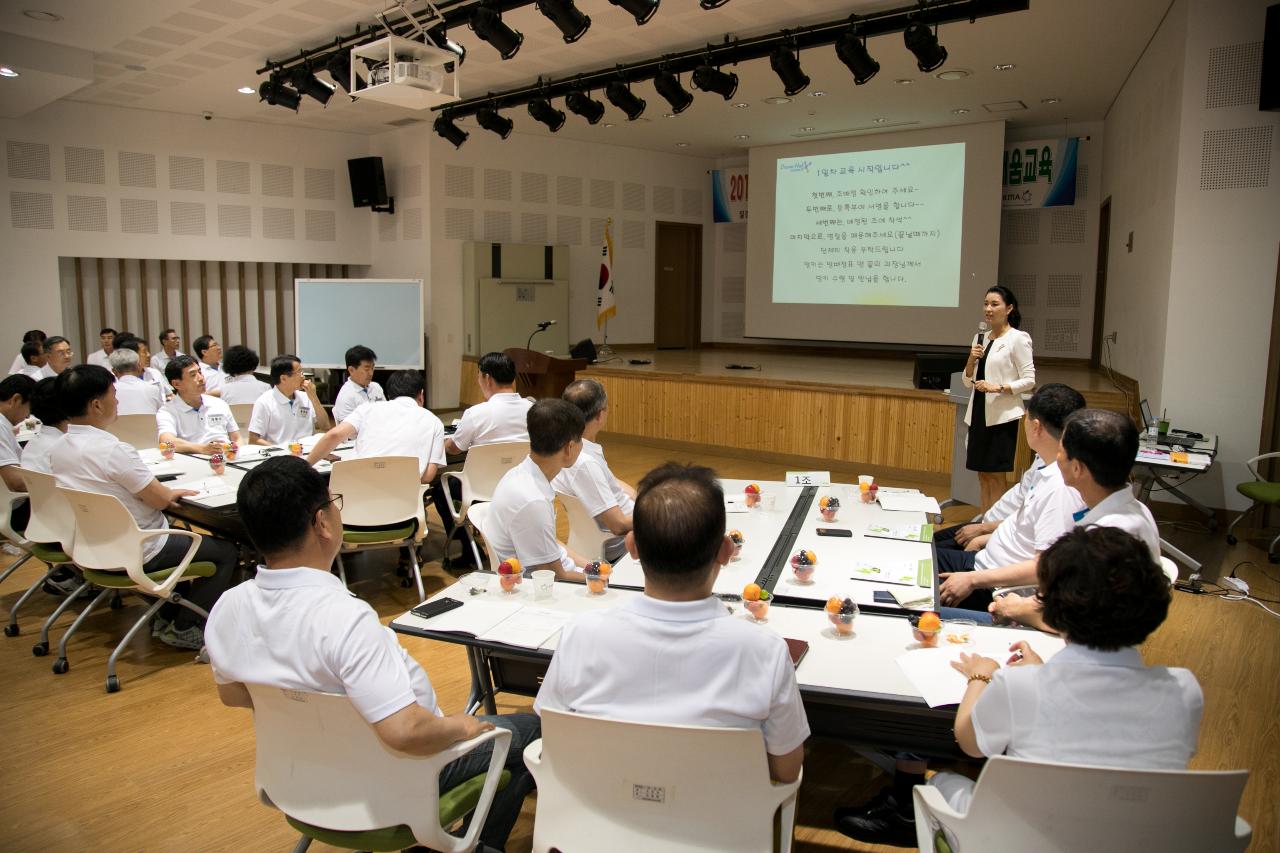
<point>435,608</point>
<point>881,596</point>
<point>834,531</point>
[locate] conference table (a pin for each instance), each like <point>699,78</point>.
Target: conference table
<point>853,688</point>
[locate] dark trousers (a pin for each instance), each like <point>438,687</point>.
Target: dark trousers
<point>20,517</point>
<point>203,592</point>
<point>525,729</point>
<point>441,495</point>
<point>950,561</point>
<point>946,538</point>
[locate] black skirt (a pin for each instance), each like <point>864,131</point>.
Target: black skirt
<point>990,448</point>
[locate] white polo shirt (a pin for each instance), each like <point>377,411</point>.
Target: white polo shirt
<point>300,629</point>
<point>280,419</point>
<point>213,376</point>
<point>99,357</point>
<point>212,420</point>
<point>503,417</point>
<point>352,396</point>
<point>522,519</point>
<point>18,363</point>
<point>94,460</point>
<point>590,481</point>
<point>135,397</point>
<point>36,373</point>
<point>1121,509</point>
<point>160,361</point>
<point>156,377</point>
<point>35,456</point>
<point>398,427</point>
<point>1047,512</point>
<point>245,388</point>
<point>1009,502</point>
<point>682,663</point>
<point>10,452</point>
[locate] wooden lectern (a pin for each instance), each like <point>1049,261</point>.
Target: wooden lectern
<point>539,375</point>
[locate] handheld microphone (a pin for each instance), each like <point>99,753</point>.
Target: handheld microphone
<point>983,328</point>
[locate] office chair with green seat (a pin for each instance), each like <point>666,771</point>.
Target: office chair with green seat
<point>381,508</point>
<point>108,550</point>
<point>321,764</point>
<point>9,501</point>
<point>1263,494</point>
<point>49,535</point>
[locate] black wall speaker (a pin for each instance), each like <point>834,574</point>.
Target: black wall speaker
<point>584,349</point>
<point>933,369</point>
<point>1269,86</point>
<point>368,182</point>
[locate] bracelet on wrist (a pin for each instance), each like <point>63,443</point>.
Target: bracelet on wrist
<point>985,679</point>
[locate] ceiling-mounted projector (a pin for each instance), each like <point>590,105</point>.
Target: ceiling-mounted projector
<point>405,73</point>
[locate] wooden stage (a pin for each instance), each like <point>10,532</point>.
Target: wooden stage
<point>830,411</point>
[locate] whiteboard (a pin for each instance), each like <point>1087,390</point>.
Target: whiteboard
<point>334,314</point>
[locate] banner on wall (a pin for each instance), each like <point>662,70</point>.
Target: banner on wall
<point>729,195</point>
<point>1040,173</point>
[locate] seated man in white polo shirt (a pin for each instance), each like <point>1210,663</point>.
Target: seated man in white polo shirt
<point>1097,454</point>
<point>209,354</point>
<point>169,345</point>
<point>15,406</point>
<point>676,655</point>
<point>241,386</point>
<point>398,426</point>
<point>33,360</point>
<point>133,395</point>
<point>1007,560</point>
<point>53,425</point>
<point>295,626</point>
<point>91,459</point>
<point>150,375</point>
<point>608,500</point>
<point>101,356</point>
<point>192,420</point>
<point>36,335</point>
<point>288,412</point>
<point>359,387</point>
<point>522,518</point>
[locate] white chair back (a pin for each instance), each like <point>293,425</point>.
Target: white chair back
<point>585,536</point>
<point>1170,569</point>
<point>108,539</point>
<point>478,516</point>
<point>1021,805</point>
<point>485,465</point>
<point>9,500</point>
<point>319,762</point>
<point>242,412</point>
<point>646,787</point>
<point>140,431</point>
<point>379,490</point>
<point>51,519</point>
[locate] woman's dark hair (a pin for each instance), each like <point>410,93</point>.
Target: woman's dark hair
<point>1015,316</point>
<point>277,501</point>
<point>1102,588</point>
<point>679,520</point>
<point>44,402</point>
<point>239,359</point>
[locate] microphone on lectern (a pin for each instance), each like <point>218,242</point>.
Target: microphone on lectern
<point>542,327</point>
<point>983,328</point>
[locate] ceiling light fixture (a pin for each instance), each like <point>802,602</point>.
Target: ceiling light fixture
<point>488,25</point>
<point>668,86</point>
<point>786,64</point>
<point>807,129</point>
<point>439,36</point>
<point>6,71</point>
<point>741,105</point>
<point>817,93</point>
<point>880,120</point>
<point>42,16</point>
<point>445,126</point>
<point>609,124</point>
<point>624,99</point>
<point>310,85</point>
<point>712,4</point>
<point>567,17</point>
<point>641,10</point>
<point>711,79</point>
<point>247,90</point>
<point>542,110</point>
<point>852,51</point>
<point>339,68</point>
<point>904,81</point>
<point>776,100</point>
<point>277,94</point>
<point>586,106</point>
<point>743,136</point>
<point>923,43</point>
<point>493,121</point>
<point>960,111</point>
<point>1050,100</point>
<point>1004,66</point>
<point>682,145</point>
<point>953,74</point>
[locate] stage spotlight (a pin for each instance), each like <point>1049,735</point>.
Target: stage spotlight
<point>712,4</point>
<point>852,51</point>
<point>710,79</point>
<point>572,24</point>
<point>641,10</point>
<point>311,85</point>
<point>489,26</point>
<point>542,110</point>
<point>495,122</point>
<point>277,94</point>
<point>923,42</point>
<point>786,65</point>
<point>623,98</point>
<point>668,86</point>
<point>585,106</point>
<point>339,67</point>
<point>450,131</point>
<point>439,36</point>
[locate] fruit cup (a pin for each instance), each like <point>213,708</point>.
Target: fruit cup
<point>869,496</point>
<point>829,507</point>
<point>803,564</point>
<point>926,629</point>
<point>959,632</point>
<point>752,495</point>
<point>218,463</point>
<point>509,574</point>
<point>597,577</point>
<point>232,451</point>
<point>295,447</point>
<point>842,610</point>
<point>167,448</point>
<point>738,541</point>
<point>756,601</point>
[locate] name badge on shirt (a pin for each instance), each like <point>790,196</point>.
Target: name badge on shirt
<point>304,411</point>
<point>217,420</point>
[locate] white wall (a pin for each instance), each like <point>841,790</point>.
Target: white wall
<point>66,193</point>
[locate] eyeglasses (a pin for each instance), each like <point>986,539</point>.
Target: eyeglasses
<point>335,499</point>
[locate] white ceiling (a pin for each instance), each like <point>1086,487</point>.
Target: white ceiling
<point>197,52</point>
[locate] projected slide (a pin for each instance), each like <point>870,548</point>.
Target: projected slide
<point>870,227</point>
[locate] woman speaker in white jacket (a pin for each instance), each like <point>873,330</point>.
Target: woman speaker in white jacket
<point>1000,370</point>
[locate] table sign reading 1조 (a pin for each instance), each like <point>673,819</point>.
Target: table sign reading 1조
<point>808,478</point>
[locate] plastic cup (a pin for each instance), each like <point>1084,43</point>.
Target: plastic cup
<point>597,584</point>
<point>770,502</point>
<point>926,639</point>
<point>232,451</point>
<point>166,449</point>
<point>865,481</point>
<point>759,610</point>
<point>509,583</point>
<point>959,632</point>
<point>843,623</point>
<point>737,552</point>
<point>218,463</point>
<point>544,581</point>
<point>475,582</point>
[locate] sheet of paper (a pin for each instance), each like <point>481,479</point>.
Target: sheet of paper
<point>476,615</point>
<point>903,572</point>
<point>211,492</point>
<point>733,505</point>
<point>164,467</point>
<point>902,502</point>
<point>528,628</point>
<point>906,532</point>
<point>930,672</point>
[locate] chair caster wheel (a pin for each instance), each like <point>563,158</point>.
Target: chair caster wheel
<point>113,684</point>
<point>60,666</point>
<point>117,602</point>
<point>1231,539</point>
<point>40,649</point>
<point>11,630</point>
<point>1273,558</point>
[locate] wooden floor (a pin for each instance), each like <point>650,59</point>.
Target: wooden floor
<point>163,766</point>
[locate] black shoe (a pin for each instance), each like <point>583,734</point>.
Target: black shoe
<point>880,820</point>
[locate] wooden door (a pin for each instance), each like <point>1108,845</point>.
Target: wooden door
<point>677,309</point>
